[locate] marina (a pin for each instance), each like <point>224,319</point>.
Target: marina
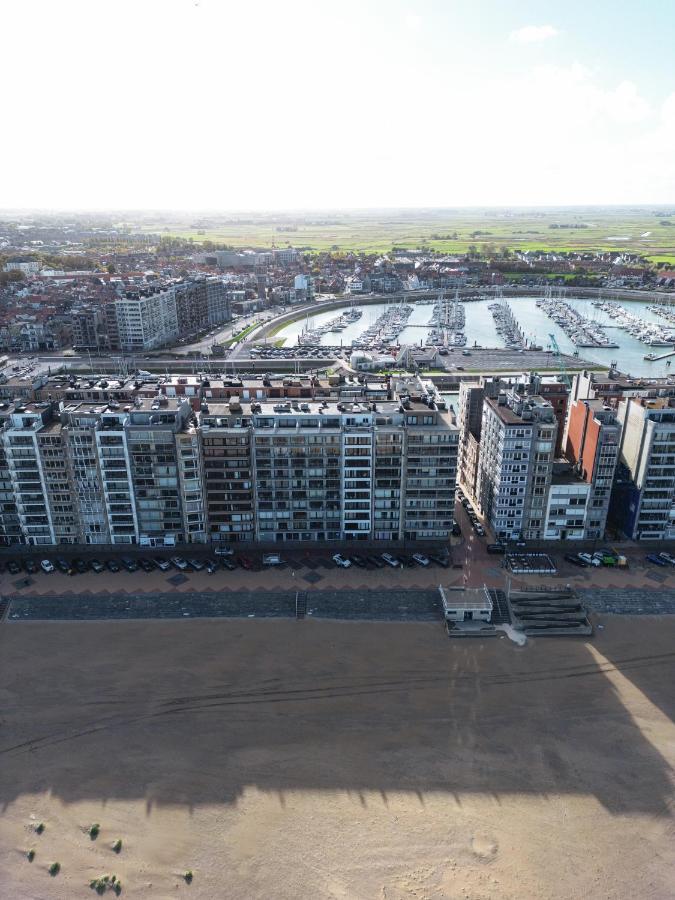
<point>507,326</point>
<point>654,334</point>
<point>624,348</point>
<point>581,330</point>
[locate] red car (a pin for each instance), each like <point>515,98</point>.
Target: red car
<point>245,562</point>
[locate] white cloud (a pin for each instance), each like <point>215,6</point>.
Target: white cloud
<point>532,34</point>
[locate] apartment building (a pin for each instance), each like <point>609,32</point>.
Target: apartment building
<point>160,494</point>
<point>517,447</point>
<point>470,418</point>
<point>643,499</point>
<point>157,471</point>
<point>10,527</point>
<point>581,487</point>
<point>146,319</point>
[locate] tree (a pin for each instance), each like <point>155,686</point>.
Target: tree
<point>110,269</point>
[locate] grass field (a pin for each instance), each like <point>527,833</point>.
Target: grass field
<point>636,229</point>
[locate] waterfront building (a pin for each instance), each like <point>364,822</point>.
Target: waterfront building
<point>517,448</point>
<point>160,471</point>
<point>643,499</point>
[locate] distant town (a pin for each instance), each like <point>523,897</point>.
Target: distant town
<point>83,283</point>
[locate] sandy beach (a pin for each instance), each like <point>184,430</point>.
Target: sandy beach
<point>336,760</point>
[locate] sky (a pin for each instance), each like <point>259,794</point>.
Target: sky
<point>287,104</point>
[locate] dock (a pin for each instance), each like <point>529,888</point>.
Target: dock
<point>651,358</point>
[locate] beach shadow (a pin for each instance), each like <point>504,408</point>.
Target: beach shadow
<point>195,712</point>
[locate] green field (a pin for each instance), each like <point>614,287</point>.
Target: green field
<point>638,230</point>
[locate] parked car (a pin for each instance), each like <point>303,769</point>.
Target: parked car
<point>62,565</point>
<point>654,558</point>
<point>129,564</point>
<point>271,559</point>
<point>245,562</point>
<point>179,563</point>
<point>358,561</point>
<point>575,559</point>
<point>440,560</point>
<point>196,564</point>
<point>341,561</point>
<point>606,558</point>
<point>81,565</point>
<point>97,566</point>
<point>421,559</point>
<point>496,548</point>
<point>589,560</point>
<point>478,528</point>
<point>228,564</point>
<point>211,566</point>
<point>456,530</point>
<point>375,561</point>
<point>162,564</point>
<point>46,566</point>
<point>13,567</point>
<point>29,566</point>
<point>390,560</point>
<point>668,558</point>
<point>113,565</point>
<point>405,561</point>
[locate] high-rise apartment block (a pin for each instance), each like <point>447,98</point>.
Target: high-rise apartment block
<point>517,447</point>
<point>643,501</point>
<point>158,471</point>
<point>146,319</point>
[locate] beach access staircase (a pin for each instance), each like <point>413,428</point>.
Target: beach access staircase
<point>548,611</point>
<point>300,604</point>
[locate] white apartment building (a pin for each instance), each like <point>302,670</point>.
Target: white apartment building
<point>517,447</point>
<point>645,503</point>
<point>146,319</point>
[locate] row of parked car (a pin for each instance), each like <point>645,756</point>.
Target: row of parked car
<point>388,559</point>
<point>473,518</point>
<point>661,559</point>
<point>599,558</point>
<point>131,564</point>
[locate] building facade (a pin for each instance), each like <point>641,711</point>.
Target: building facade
<point>161,471</point>
<point>643,501</point>
<point>517,447</point>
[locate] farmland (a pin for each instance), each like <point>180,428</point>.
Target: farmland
<point>647,231</point>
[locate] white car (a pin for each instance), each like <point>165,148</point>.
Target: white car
<point>390,560</point>
<point>589,560</point>
<point>179,563</point>
<point>339,560</point>
<point>421,559</point>
<point>47,566</point>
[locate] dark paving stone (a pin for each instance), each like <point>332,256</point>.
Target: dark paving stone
<point>656,576</point>
<point>177,579</point>
<point>24,582</point>
<point>379,605</point>
<point>312,577</point>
